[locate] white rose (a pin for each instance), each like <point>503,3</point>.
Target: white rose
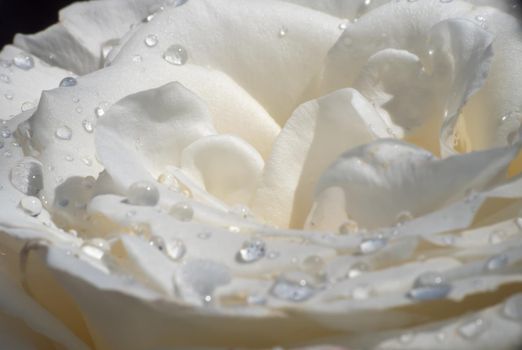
<point>253,174</point>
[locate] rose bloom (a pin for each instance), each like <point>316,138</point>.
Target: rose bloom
<point>263,174</point>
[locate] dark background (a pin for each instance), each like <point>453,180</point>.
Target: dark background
<point>31,16</point>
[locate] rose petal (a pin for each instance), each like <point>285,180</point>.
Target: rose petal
<point>146,131</point>
<point>388,179</point>
<point>314,136</point>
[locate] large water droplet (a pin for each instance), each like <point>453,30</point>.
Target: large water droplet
<point>23,61</point>
<point>143,193</point>
<point>87,126</point>
<point>512,308</point>
<point>151,40</point>
<point>295,287</point>
<point>496,262</point>
<point>472,329</point>
<point>251,251</point>
<point>68,82</point>
<point>429,286</point>
<point>27,177</point>
<point>31,205</point>
<point>63,133</point>
<point>372,245</point>
<point>175,249</point>
<point>176,55</point>
<point>5,132</point>
<point>182,211</point>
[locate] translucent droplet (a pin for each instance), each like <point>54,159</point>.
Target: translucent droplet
<point>272,255</point>
<point>93,251</point>
<point>23,61</point>
<point>157,242</point>
<point>349,226</point>
<point>179,2</point>
<point>26,106</point>
<point>403,217</point>
<point>170,181</point>
<point>234,229</point>
<point>372,245</point>
<point>31,205</point>
<point>79,109</point>
<point>251,251</point>
<point>512,308</point>
<point>63,133</point>
<point>361,292</point>
<point>343,25</point>
<point>472,329</point>
<point>496,262</point>
<point>357,269</point>
<point>151,40</point>
<point>137,59</point>
<point>176,55</point>
<point>5,132</point>
<point>295,287</point>
<point>497,237</point>
<point>87,126</point>
<point>27,177</point>
<point>68,82</point>
<point>175,249</point>
<point>283,31</point>
<point>69,158</point>
<point>204,235</point>
<point>182,211</point>
<point>8,96</point>
<point>143,193</point>
<point>4,78</point>
<point>99,111</point>
<point>429,286</point>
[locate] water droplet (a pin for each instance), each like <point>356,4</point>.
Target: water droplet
<point>87,126</point>
<point>343,25</point>
<point>182,211</point>
<point>137,59</point>
<point>175,249</point>
<point>472,329</point>
<point>93,251</point>
<point>406,338</point>
<point>178,3</point>
<point>151,40</point>
<point>497,237</point>
<point>272,255</point>
<point>9,96</point>
<point>429,286</point>
<point>5,78</point>
<point>234,229</point>
<point>169,180</point>
<point>99,112</point>
<point>496,262</point>
<point>23,61</point>
<point>143,193</point>
<point>512,308</point>
<point>371,245</point>
<point>283,31</point>
<point>357,269</point>
<point>349,226</point>
<point>31,205</point>
<point>256,300</point>
<point>68,82</point>
<point>295,287</point>
<point>69,158</point>
<point>63,133</point>
<point>157,242</point>
<point>5,132</point>
<point>251,251</point>
<point>79,109</point>
<point>26,106</point>
<point>361,292</point>
<point>403,217</point>
<point>441,337</point>
<point>176,55</point>
<point>27,177</point>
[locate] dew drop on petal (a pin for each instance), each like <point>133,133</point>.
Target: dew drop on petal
<point>283,31</point>
<point>496,262</point>
<point>204,235</point>
<point>143,193</point>
<point>251,251</point>
<point>512,308</point>
<point>5,132</point>
<point>31,205</point>
<point>361,292</point>
<point>27,176</point>
<point>151,40</point>
<point>87,126</point>
<point>99,112</point>
<point>371,245</point>
<point>429,286</point>
<point>68,82</point>
<point>176,55</point>
<point>63,133</point>
<point>175,249</point>
<point>357,269</point>
<point>295,287</point>
<point>23,61</point>
<point>182,211</point>
<point>472,329</point>
<point>94,251</point>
